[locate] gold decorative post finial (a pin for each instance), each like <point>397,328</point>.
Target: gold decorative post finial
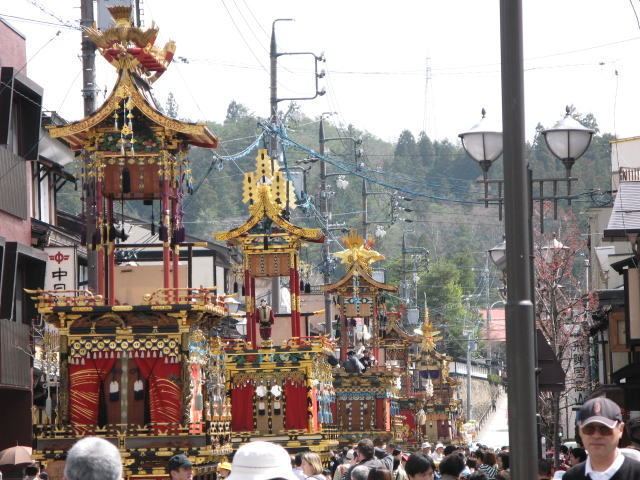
<point>358,253</point>
<point>430,336</point>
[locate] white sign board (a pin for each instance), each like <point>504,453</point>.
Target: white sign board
<point>62,268</point>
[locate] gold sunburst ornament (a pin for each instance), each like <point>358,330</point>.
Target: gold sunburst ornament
<point>430,336</point>
<point>357,253</point>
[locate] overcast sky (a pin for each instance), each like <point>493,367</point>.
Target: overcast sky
<point>376,59</point>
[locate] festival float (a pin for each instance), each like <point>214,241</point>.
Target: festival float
<point>366,386</point>
<point>433,411</point>
<point>280,384</point>
<point>144,375</point>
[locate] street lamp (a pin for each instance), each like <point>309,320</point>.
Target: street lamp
<point>567,140</point>
<point>498,255</point>
<point>232,305</point>
<point>483,143</point>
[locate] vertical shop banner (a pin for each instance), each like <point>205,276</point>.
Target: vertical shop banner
<point>62,268</point>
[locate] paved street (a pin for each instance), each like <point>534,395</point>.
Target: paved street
<point>495,432</point>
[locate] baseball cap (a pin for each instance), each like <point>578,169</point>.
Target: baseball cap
<point>599,410</point>
<point>426,445</point>
<point>261,461</point>
<point>439,446</point>
<point>350,454</point>
<point>224,465</point>
<point>178,461</point>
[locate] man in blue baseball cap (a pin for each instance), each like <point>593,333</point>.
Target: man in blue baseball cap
<point>180,467</point>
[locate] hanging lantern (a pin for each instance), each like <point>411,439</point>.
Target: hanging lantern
<point>429,388</point>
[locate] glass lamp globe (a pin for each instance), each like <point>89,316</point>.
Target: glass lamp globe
<point>483,142</point>
<point>498,255</point>
<point>568,140</point>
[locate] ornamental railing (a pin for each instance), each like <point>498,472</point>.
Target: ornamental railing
<point>65,298</point>
<point>189,296</point>
<point>214,428</point>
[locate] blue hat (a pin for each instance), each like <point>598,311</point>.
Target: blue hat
<point>179,461</point>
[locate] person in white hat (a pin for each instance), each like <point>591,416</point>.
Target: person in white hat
<point>426,449</point>
<point>438,455</point>
<point>261,461</point>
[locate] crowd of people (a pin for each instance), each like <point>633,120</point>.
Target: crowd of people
<point>599,421</point>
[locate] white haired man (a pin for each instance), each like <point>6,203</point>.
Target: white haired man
<point>93,458</point>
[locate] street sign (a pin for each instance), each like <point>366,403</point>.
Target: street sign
<point>62,268</point>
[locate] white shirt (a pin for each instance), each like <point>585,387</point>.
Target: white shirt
<point>437,457</point>
<point>608,473</point>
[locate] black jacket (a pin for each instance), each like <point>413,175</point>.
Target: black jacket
<point>629,470</point>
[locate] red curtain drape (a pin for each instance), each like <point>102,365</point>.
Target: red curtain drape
<point>196,393</point>
<point>410,421</point>
<point>165,394</point>
<point>242,408</point>
<point>296,413</point>
<point>314,409</point>
<point>84,389</point>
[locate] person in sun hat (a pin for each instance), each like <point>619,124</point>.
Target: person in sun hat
<point>261,461</point>
<point>600,423</point>
<point>223,470</point>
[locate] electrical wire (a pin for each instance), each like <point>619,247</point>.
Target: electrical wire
<point>358,173</point>
<point>42,47</point>
<point>36,21</point>
<point>244,40</point>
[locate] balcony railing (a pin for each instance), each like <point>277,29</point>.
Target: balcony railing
<point>200,297</point>
<point>629,174</point>
<point>215,434</point>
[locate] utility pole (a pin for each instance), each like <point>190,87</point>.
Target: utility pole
<point>418,254</point>
<point>468,409</point>
<point>273,118</point>
<point>273,141</point>
<point>89,96</point>
<point>364,206</point>
<point>324,209</point>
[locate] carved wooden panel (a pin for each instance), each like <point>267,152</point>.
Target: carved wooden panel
<point>144,181</point>
<point>269,265</point>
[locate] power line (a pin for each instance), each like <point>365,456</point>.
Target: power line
<point>242,37</point>
<point>40,22</point>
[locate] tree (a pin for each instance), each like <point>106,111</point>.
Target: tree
<point>560,309</point>
<point>235,111</point>
<point>425,150</point>
<point>443,289</point>
<point>171,106</point>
